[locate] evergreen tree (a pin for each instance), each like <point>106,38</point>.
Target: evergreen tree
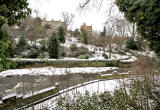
<point>85,36</point>
<point>146,15</point>
<point>103,34</point>
<point>11,11</point>
<point>21,45</point>
<point>22,42</point>
<point>6,48</point>
<point>53,46</point>
<point>61,33</point>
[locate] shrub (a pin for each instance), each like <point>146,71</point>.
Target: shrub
<point>48,26</point>
<point>134,45</point>
<point>122,52</point>
<point>111,64</point>
<point>82,50</point>
<point>91,52</point>
<point>21,46</point>
<point>62,51</point>
<point>141,94</point>
<point>78,51</point>
<point>86,56</point>
<point>5,51</point>
<point>73,47</point>
<point>61,34</point>
<point>33,52</point>
<point>43,44</point>
<point>43,55</point>
<point>105,55</point>
<point>22,42</point>
<point>53,47</point>
<point>85,37</point>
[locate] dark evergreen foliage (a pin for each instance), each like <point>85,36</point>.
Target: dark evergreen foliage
<point>146,15</point>
<point>53,47</point>
<point>61,34</point>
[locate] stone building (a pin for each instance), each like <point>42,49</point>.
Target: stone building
<point>87,28</point>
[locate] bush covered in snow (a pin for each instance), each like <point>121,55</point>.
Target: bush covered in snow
<point>122,52</point>
<point>73,47</point>
<point>21,46</point>
<point>78,51</point>
<point>32,52</point>
<point>105,55</point>
<point>86,56</point>
<point>83,50</point>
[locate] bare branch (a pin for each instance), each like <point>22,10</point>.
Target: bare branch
<point>67,19</point>
<point>82,6</point>
<point>100,4</point>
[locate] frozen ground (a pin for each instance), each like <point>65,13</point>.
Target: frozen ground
<point>54,71</point>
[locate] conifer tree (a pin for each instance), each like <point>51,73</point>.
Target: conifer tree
<point>103,34</point>
<point>85,36</point>
<point>53,47</point>
<point>61,33</point>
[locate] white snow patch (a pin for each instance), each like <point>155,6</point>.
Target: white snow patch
<point>54,71</point>
<point>132,59</point>
<point>9,96</point>
<point>148,54</point>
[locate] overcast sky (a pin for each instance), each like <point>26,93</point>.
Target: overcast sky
<point>52,9</point>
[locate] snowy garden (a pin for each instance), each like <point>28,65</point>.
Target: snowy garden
<point>46,64</point>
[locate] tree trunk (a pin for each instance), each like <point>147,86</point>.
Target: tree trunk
<point>133,32</point>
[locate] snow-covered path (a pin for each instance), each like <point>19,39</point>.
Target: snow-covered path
<point>96,87</point>
<point>54,71</point>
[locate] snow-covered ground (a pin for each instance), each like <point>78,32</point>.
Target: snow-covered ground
<point>98,50</point>
<point>96,87</point>
<point>132,59</point>
<point>148,54</point>
<point>54,71</point>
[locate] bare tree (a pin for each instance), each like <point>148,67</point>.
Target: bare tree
<point>32,28</point>
<point>67,19</point>
<point>132,29</point>
<point>110,32</point>
<point>121,31</point>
